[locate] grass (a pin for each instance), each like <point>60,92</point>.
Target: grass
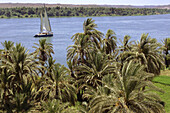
<point>163,82</point>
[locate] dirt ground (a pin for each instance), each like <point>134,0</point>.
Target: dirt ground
<point>165,72</point>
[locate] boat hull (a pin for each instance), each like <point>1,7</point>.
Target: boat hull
<point>43,35</point>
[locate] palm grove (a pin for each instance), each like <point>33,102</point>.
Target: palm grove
<point>104,75</point>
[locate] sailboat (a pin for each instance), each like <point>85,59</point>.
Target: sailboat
<point>45,27</point>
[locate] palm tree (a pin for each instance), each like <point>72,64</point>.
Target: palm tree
<point>91,73</point>
<point>89,26</point>
<point>97,67</point>
<point>90,38</point>
<point>19,101</point>
<point>4,73</point>
<point>19,65</point>
<point>8,45</point>
<point>147,52</point>
<point>90,34</point>
<point>43,51</point>
<point>125,94</point>
<point>109,42</point>
<point>57,84</point>
<point>78,51</point>
<point>93,34</point>
<point>124,47</point>
<point>125,43</point>
<point>23,101</point>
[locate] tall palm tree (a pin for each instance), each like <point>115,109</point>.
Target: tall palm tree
<point>109,45</point>
<point>109,42</point>
<point>78,51</point>
<point>89,30</point>
<point>125,94</point>
<point>90,38</point>
<point>43,51</point>
<point>89,26</point>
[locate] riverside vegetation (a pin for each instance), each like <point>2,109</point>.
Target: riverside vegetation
<point>104,75</point>
<point>25,12</point>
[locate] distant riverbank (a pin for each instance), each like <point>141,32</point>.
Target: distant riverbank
<point>30,12</point>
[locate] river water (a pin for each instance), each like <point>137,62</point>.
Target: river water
<point>22,30</point>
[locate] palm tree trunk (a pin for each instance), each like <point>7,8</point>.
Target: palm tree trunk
<point>57,91</point>
<point>82,57</point>
<point>166,60</point>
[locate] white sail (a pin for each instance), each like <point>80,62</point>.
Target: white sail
<point>47,22</point>
<point>41,26</point>
<point>45,27</point>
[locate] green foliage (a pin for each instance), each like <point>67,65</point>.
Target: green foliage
<point>102,76</point>
<point>26,12</point>
<point>126,93</point>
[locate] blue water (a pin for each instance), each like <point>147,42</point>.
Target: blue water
<point>22,30</point>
